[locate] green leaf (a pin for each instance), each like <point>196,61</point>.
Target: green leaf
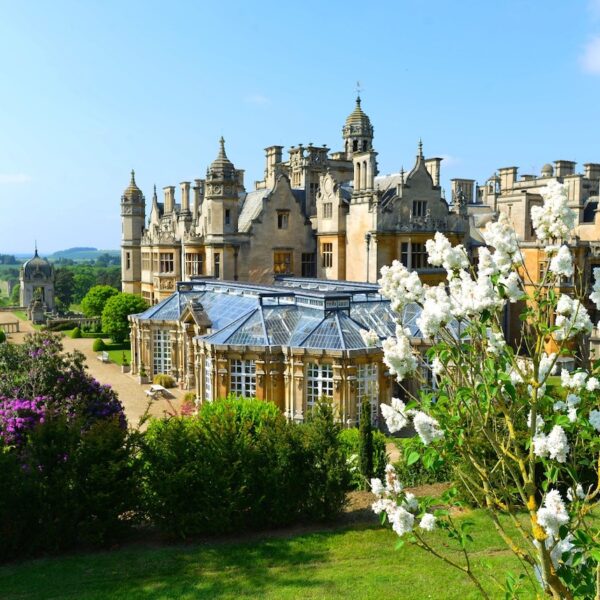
<point>412,458</point>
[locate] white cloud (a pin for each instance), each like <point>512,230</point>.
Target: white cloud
<point>257,99</point>
<point>450,161</point>
<point>14,178</point>
<point>590,59</point>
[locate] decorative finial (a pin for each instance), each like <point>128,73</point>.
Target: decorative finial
<point>420,147</point>
<point>358,91</point>
<point>154,195</point>
<point>132,177</point>
<point>36,252</point>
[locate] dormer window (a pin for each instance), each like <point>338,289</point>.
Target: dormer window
<point>327,210</point>
<point>419,208</point>
<point>283,218</point>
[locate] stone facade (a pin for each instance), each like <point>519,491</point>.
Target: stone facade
<point>319,213</point>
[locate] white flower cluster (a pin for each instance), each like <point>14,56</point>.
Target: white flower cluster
<point>437,311</point>
<point>569,405</point>
<point>501,236</point>
<point>400,286</point>
<point>577,492</point>
<point>553,513</point>
<point>397,417</point>
<point>512,286</point>
<point>370,337</point>
<point>595,419</point>
<point>442,254</point>
<point>554,220</point>
<point>561,263</point>
<point>470,297</point>
<point>555,444</point>
<point>595,295</point>
<point>400,506</point>
<point>495,342</point>
<point>575,382</point>
<point>398,354</point>
<point>572,318</point>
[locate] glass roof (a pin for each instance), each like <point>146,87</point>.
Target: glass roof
<point>252,315</point>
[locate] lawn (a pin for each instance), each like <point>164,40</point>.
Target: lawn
<point>348,563</point>
<point>116,351</point>
<point>20,314</point>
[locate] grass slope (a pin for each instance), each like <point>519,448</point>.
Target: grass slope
<point>349,563</point>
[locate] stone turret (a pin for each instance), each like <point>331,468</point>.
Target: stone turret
<point>133,216</point>
<point>357,132</point>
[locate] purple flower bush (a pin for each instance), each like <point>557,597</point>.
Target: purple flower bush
<point>18,416</point>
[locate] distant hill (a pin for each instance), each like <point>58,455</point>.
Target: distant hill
<point>82,253</point>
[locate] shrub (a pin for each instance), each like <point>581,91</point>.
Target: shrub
<point>95,300</point>
<point>98,345</point>
<point>365,446</point>
<point>414,468</point>
<point>165,380</point>
<point>76,333</point>
<point>239,464</point>
<point>115,313</point>
<point>350,440</point>
<point>2,336</point>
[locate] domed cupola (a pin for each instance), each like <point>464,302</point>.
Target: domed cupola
<point>37,268</point>
<point>132,192</point>
<point>221,168</point>
<point>358,131</point>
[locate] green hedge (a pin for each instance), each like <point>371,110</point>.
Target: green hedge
<point>239,465</point>
<point>413,469</point>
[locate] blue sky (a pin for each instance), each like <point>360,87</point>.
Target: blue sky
<point>91,89</point>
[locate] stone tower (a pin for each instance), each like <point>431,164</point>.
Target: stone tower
<point>133,216</point>
<point>357,132</point>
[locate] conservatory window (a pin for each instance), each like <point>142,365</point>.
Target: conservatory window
<point>319,383</point>
<point>162,352</point>
<point>366,388</point>
<point>242,378</point>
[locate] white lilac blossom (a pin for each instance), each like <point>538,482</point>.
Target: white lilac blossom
<point>392,484</point>
<point>496,342</point>
<point>562,263</point>
<point>555,444</point>
<point>575,381</point>
<point>398,354</point>
<point>501,236</point>
<point>576,492</point>
<point>595,295</point>
<point>377,487</point>
<point>469,297</point>
<point>595,419</point>
<point>539,422</point>
<point>400,286</point>
<point>427,522</point>
<point>395,415</point>
<point>553,513</point>
<point>427,427</point>
<point>370,337</point>
<point>513,286</point>
<point>572,318</point>
<point>436,313</point>
<point>401,520</point>
<point>437,367</point>
<point>554,220</point>
<point>442,254</point>
<point>547,366</point>
<point>592,384</point>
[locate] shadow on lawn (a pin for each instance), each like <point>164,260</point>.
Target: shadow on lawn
<point>207,571</point>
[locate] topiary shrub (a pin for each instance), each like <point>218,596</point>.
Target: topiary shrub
<point>163,379</point>
<point>76,333</point>
<point>98,345</point>
<point>350,443</point>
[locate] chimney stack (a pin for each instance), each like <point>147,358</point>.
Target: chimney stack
<point>169,192</point>
<point>562,168</point>
<point>433,166</point>
<point>185,196</point>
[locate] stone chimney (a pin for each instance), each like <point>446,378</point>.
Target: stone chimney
<point>169,192</point>
<point>433,166</point>
<point>198,196</point>
<point>562,168</point>
<point>591,170</point>
<point>464,186</point>
<point>508,176</point>
<point>185,196</point>
<point>274,157</point>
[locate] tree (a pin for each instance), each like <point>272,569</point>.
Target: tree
<point>94,301</point>
<point>84,278</point>
<point>15,295</point>
<point>116,311</point>
<point>526,449</point>
<point>365,447</point>
<point>64,286</point>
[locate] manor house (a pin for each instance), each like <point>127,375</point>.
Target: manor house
<point>322,214</point>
